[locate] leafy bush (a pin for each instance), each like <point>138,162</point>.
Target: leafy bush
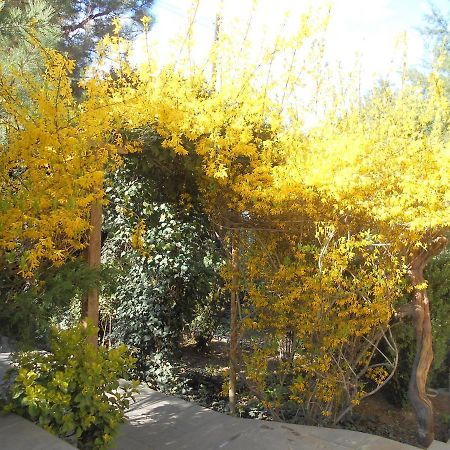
<point>315,313</point>
<point>438,275</point>
<point>73,391</point>
<point>167,256</point>
<point>207,319</point>
<point>162,373</point>
<point>28,307</point>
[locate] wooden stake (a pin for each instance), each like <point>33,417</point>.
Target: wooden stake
<point>233,325</point>
<point>90,305</point>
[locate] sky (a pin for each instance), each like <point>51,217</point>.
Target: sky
<point>367,28</point>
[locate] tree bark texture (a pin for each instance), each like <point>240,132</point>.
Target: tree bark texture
<point>286,346</point>
<point>90,306</point>
<point>233,326</point>
<point>424,350</point>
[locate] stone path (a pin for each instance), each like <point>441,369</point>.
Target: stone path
<point>17,433</point>
<point>157,421</point>
<point>160,422</point>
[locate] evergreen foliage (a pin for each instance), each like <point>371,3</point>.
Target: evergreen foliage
<point>85,22</point>
<point>73,26</point>
<point>21,23</point>
<point>438,275</point>
<point>28,308</point>
<point>72,391</point>
<point>163,246</point>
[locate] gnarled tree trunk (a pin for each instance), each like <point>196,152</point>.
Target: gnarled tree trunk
<point>424,351</point>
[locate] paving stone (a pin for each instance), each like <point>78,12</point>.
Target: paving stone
<point>438,445</point>
<point>18,433</point>
<point>160,422</point>
<point>355,439</point>
<point>157,421</point>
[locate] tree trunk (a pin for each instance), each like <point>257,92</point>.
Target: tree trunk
<point>286,346</point>
<point>90,305</point>
<point>424,350</point>
<point>233,326</point>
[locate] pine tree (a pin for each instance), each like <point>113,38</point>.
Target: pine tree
<point>85,22</point>
<point>21,23</point>
<point>73,26</point>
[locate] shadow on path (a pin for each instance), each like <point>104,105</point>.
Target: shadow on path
<point>157,421</point>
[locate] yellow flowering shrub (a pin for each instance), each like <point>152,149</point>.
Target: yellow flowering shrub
<point>332,208</point>
<point>330,300</point>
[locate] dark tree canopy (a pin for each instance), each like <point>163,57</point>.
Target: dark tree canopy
<point>83,23</point>
<point>73,26</point>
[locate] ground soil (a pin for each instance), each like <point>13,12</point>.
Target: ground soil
<point>377,416</point>
<point>206,371</point>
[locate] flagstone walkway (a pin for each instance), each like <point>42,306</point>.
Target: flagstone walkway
<point>160,422</point>
<point>157,421</point>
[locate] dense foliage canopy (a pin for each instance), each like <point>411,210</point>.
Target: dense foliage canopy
<point>337,201</point>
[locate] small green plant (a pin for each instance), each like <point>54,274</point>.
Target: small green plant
<point>445,418</point>
<point>73,390</point>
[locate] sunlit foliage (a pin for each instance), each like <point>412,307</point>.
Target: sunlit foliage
<point>367,177</point>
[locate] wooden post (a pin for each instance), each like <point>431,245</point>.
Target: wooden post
<point>90,305</point>
<point>233,325</point>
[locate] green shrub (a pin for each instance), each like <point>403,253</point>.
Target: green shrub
<point>28,307</point>
<point>208,317</point>
<point>163,245</point>
<point>162,373</point>
<point>73,391</point>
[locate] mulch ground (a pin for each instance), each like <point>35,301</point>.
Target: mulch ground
<point>377,416</point>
